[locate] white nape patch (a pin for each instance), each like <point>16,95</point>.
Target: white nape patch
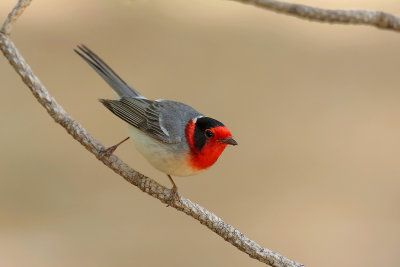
<point>159,100</point>
<point>198,117</point>
<point>162,127</point>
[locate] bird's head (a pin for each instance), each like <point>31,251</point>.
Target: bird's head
<point>207,139</point>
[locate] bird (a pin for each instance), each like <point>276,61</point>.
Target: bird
<point>173,137</point>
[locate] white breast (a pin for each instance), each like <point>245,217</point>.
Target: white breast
<point>168,158</point>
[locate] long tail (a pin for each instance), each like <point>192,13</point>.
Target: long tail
<point>119,86</point>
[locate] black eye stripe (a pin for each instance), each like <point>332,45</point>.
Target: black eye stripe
<point>203,125</point>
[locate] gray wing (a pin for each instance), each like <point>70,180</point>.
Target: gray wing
<point>163,120</point>
<point>116,83</point>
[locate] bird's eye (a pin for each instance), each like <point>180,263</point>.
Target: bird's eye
<point>209,134</point>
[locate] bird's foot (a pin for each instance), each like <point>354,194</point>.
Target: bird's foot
<point>174,196</point>
<point>110,150</point>
<point>106,153</point>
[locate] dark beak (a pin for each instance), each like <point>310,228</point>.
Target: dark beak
<point>229,141</point>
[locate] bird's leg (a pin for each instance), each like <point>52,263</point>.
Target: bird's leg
<point>175,195</point>
<point>108,151</point>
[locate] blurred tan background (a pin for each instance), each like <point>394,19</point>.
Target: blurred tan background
<point>315,109</point>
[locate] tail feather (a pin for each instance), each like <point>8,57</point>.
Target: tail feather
<point>116,83</point>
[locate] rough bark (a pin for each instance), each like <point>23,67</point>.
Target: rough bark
<point>375,18</point>
<point>144,183</point>
<point>378,19</point>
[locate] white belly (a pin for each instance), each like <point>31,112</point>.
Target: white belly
<point>164,157</point>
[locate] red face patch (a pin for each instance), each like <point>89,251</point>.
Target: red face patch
<point>211,150</point>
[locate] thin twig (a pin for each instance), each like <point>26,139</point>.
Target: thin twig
<point>378,19</point>
<point>144,183</point>
<point>14,15</point>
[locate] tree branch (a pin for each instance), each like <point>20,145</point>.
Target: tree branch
<point>144,183</point>
<point>14,15</point>
<point>378,19</point>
